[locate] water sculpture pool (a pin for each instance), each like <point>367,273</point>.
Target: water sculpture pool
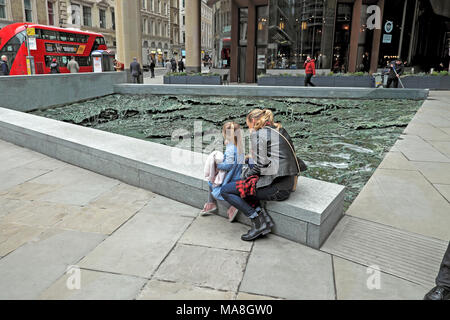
<point>342,141</point>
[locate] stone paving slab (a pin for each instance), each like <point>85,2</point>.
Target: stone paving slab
<point>217,232</point>
<point>141,244</point>
<point>436,173</point>
<point>397,161</point>
<point>9,205</point>
<point>30,269</point>
<point>405,200</point>
<point>444,190</point>
<point>417,149</point>
<point>352,284</point>
<point>206,267</point>
<point>96,220</point>
<point>280,268</point>
<point>249,296</point>
<point>40,214</point>
<point>12,236</point>
<point>29,191</point>
<point>76,186</point>
<point>426,131</point>
<point>9,179</point>
<point>163,290</point>
<point>442,146</point>
<point>95,286</point>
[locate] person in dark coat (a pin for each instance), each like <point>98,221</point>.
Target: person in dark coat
<point>396,69</point>
<point>54,66</point>
<point>152,68</point>
<point>135,69</point>
<point>442,289</point>
<point>180,65</point>
<point>310,70</point>
<point>173,63</point>
<point>4,68</point>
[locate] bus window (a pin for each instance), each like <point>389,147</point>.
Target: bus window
<point>84,61</point>
<point>11,48</point>
<point>68,37</point>
<point>64,61</point>
<point>49,35</point>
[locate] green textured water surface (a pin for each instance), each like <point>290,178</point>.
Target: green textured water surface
<point>342,141</point>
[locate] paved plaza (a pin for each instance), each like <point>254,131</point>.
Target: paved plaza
<point>129,243</point>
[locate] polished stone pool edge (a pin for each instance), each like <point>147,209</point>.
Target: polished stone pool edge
<point>308,217</point>
<point>255,91</point>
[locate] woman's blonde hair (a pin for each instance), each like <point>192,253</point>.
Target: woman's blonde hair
<point>262,118</point>
<point>231,132</point>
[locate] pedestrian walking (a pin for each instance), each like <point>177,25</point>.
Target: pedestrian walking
<point>54,67</point>
<point>442,289</point>
<point>135,69</point>
<point>180,65</point>
<point>168,66</point>
<point>152,67</point>
<point>396,69</point>
<point>310,70</point>
<point>73,66</point>
<point>4,68</point>
<point>173,63</point>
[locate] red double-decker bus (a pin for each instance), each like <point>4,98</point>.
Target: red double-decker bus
<point>51,43</point>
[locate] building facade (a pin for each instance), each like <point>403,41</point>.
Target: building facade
<point>155,31</point>
<point>207,31</point>
<point>175,29</point>
<point>222,33</point>
<point>88,15</point>
<point>342,35</point>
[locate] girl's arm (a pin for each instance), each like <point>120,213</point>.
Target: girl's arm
<point>228,160</point>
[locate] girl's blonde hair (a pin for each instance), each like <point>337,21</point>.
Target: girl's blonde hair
<point>263,118</point>
<point>231,132</point>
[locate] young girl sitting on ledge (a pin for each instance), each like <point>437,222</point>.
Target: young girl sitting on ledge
<point>228,171</point>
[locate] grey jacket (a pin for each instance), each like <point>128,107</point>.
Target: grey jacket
<point>272,155</point>
<point>135,69</point>
<point>73,66</point>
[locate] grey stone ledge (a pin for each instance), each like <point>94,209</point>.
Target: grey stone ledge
<point>166,171</point>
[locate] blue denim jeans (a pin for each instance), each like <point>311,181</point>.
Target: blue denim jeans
<point>269,193</point>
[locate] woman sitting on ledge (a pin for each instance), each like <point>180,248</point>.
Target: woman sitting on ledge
<point>272,177</point>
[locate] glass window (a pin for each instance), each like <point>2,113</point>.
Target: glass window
<point>87,16</point>
<point>113,18</point>
<point>2,9</point>
<point>76,14</point>
<point>102,16</point>
<point>51,14</point>
<point>28,10</point>
<point>243,23</point>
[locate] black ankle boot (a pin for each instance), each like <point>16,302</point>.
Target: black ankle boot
<point>259,228</point>
<point>268,219</point>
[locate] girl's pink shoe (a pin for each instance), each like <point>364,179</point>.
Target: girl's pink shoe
<point>232,213</point>
<point>209,208</point>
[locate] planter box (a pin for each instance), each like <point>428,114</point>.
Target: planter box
<point>320,81</point>
<point>212,80</point>
<point>175,79</point>
<point>209,80</point>
<point>426,82</point>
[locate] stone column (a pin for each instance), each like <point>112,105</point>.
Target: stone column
<point>128,31</point>
<point>376,42</point>
<point>234,58</point>
<point>354,37</point>
<point>193,36</point>
<point>250,63</point>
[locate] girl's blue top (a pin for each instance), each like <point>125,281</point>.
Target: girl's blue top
<point>232,163</point>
